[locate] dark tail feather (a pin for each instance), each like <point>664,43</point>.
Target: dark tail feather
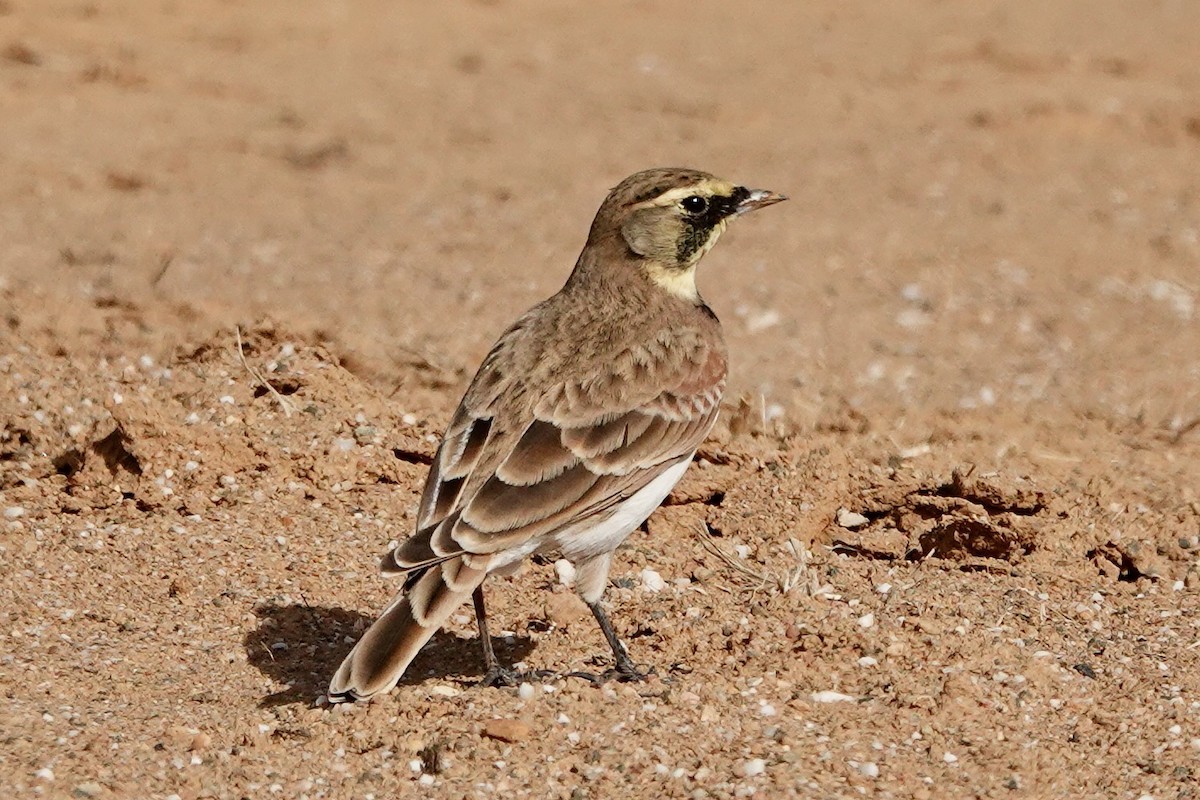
<point>379,659</point>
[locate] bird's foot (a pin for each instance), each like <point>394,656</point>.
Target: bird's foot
<point>503,676</point>
<point>622,673</point>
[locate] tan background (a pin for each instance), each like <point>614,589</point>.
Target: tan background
<point>989,268</point>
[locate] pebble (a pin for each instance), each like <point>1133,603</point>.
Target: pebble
<point>507,730</point>
<point>12,512</point>
<point>866,620</point>
<point>44,774</point>
<point>526,691</point>
<point>850,519</point>
<point>565,608</point>
<point>830,696</point>
<point>652,581</point>
<point>870,769</point>
<point>750,768</point>
<point>88,789</point>
<point>180,735</point>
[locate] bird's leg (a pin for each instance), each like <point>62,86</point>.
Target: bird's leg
<point>494,674</point>
<point>624,669</point>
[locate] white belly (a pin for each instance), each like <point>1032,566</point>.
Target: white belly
<point>586,539</point>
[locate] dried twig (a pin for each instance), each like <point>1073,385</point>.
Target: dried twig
<point>283,401</point>
<point>784,580</point>
<point>164,264</point>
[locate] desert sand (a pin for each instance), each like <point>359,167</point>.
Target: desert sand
<point>945,541</point>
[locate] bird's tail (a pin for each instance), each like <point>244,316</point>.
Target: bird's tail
<point>379,659</point>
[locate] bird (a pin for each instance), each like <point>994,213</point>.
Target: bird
<point>580,420</point>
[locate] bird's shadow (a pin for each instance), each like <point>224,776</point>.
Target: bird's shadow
<point>302,645</point>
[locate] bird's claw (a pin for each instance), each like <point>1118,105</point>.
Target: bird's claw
<point>622,673</point>
<point>502,676</point>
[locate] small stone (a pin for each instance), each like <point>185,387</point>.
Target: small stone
<point>507,730</point>
<point>949,758</point>
<point>866,621</point>
<point>750,768</point>
<point>180,735</point>
<point>850,519</point>
<point>564,608</point>
<point>44,774</point>
<point>526,691</point>
<point>88,789</point>
<point>12,512</point>
<point>869,769</point>
<point>652,581</point>
<point>200,741</point>
<point>830,696</point>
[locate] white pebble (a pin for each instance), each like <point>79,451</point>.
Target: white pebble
<point>883,588</point>
<point>866,620</point>
<point>767,710</point>
<point>525,691</point>
<point>443,690</point>
<point>750,768</point>
<point>1175,730</point>
<point>343,445</point>
<point>227,399</point>
<point>409,419</point>
<point>830,696</point>
<point>763,320</point>
<point>12,512</point>
<point>426,780</point>
<point>868,661</point>
<point>416,765</point>
<point>949,758</point>
<point>652,581</point>
<point>118,398</point>
<point>850,519</point>
<point>565,571</point>
<point>742,550</point>
<point>45,774</point>
<point>870,769</point>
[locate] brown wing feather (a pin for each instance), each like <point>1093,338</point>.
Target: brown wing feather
<point>585,447</point>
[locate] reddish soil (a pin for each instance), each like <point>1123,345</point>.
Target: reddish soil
<point>945,542</point>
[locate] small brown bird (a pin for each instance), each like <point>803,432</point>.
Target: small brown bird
<point>580,420</point>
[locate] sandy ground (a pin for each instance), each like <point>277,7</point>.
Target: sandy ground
<point>944,544</point>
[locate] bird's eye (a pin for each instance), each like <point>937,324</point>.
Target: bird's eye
<point>694,204</point>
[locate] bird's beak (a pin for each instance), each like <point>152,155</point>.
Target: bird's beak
<point>758,198</point>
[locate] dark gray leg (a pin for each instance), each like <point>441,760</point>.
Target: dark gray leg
<point>495,674</point>
<point>624,669</point>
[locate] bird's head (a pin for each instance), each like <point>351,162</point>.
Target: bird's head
<point>669,218</point>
